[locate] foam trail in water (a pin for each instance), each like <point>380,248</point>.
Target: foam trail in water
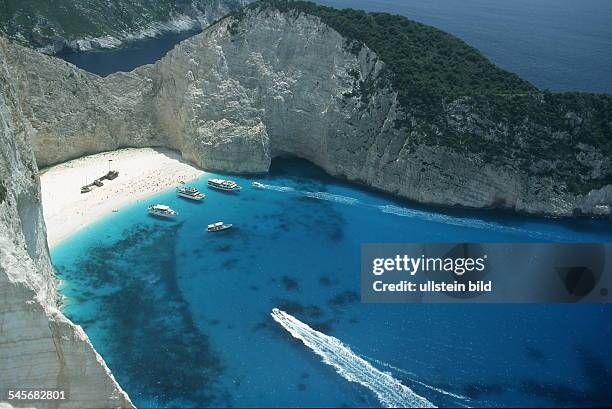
<point>461,221</point>
<point>418,214</point>
<point>389,391</point>
<point>411,377</point>
<point>331,197</point>
<point>314,195</point>
<point>277,188</point>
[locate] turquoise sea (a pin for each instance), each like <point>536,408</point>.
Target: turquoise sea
<point>182,316</point>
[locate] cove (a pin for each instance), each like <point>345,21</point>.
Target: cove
<point>128,57</point>
<point>182,316</point>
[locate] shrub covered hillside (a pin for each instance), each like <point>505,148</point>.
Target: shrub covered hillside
<point>427,63</point>
<point>56,23</point>
<point>463,101</point>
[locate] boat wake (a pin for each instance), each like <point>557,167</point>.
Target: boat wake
<point>418,214</point>
<point>412,378</point>
<point>462,222</point>
<point>277,188</point>
<point>389,391</point>
<point>330,197</point>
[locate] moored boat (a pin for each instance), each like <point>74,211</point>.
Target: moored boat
<point>86,189</point>
<point>218,226</point>
<point>222,184</point>
<point>189,192</point>
<point>162,211</point>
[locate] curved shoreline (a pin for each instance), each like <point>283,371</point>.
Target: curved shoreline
<point>142,173</point>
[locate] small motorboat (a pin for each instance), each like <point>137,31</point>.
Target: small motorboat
<point>258,185</point>
<point>86,189</point>
<point>218,226</point>
<point>162,211</point>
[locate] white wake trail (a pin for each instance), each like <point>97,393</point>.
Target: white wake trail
<point>462,222</point>
<point>331,197</point>
<point>389,391</point>
<point>278,188</point>
<point>412,379</point>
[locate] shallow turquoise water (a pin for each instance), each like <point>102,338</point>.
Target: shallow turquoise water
<point>182,316</point>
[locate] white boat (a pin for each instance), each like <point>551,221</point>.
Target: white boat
<point>222,184</point>
<point>218,226</point>
<point>258,185</point>
<point>190,193</point>
<point>161,211</point>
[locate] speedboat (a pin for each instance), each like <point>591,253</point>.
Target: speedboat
<point>222,184</point>
<point>258,185</point>
<point>190,193</point>
<point>218,226</point>
<point>161,211</point>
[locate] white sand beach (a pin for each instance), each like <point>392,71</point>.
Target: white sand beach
<point>142,173</point>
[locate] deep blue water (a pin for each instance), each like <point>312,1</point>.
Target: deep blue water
<point>181,316</point>
<point>137,53</point>
<point>556,44</point>
<point>562,45</point>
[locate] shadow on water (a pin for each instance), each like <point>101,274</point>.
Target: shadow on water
<point>141,321</point>
<point>308,174</point>
<point>598,392</point>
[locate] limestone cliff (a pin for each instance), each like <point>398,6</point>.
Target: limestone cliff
<point>39,347</point>
<point>256,85</point>
<point>269,82</point>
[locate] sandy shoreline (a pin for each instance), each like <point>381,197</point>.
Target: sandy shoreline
<point>142,173</point>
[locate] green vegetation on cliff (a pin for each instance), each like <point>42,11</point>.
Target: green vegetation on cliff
<point>463,101</point>
<point>427,64</point>
<point>40,23</point>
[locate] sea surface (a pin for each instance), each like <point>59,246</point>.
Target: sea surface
<point>132,56</point>
<point>561,45</point>
<point>182,316</point>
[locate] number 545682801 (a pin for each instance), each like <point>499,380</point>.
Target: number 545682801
<point>36,394</point>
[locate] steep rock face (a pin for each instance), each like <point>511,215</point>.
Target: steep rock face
<point>271,83</point>
<point>233,101</point>
<point>73,113</point>
<point>39,347</point>
<point>248,89</point>
<point>266,83</point>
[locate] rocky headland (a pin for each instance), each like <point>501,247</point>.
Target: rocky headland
<point>396,106</point>
<point>84,25</point>
<point>270,81</point>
